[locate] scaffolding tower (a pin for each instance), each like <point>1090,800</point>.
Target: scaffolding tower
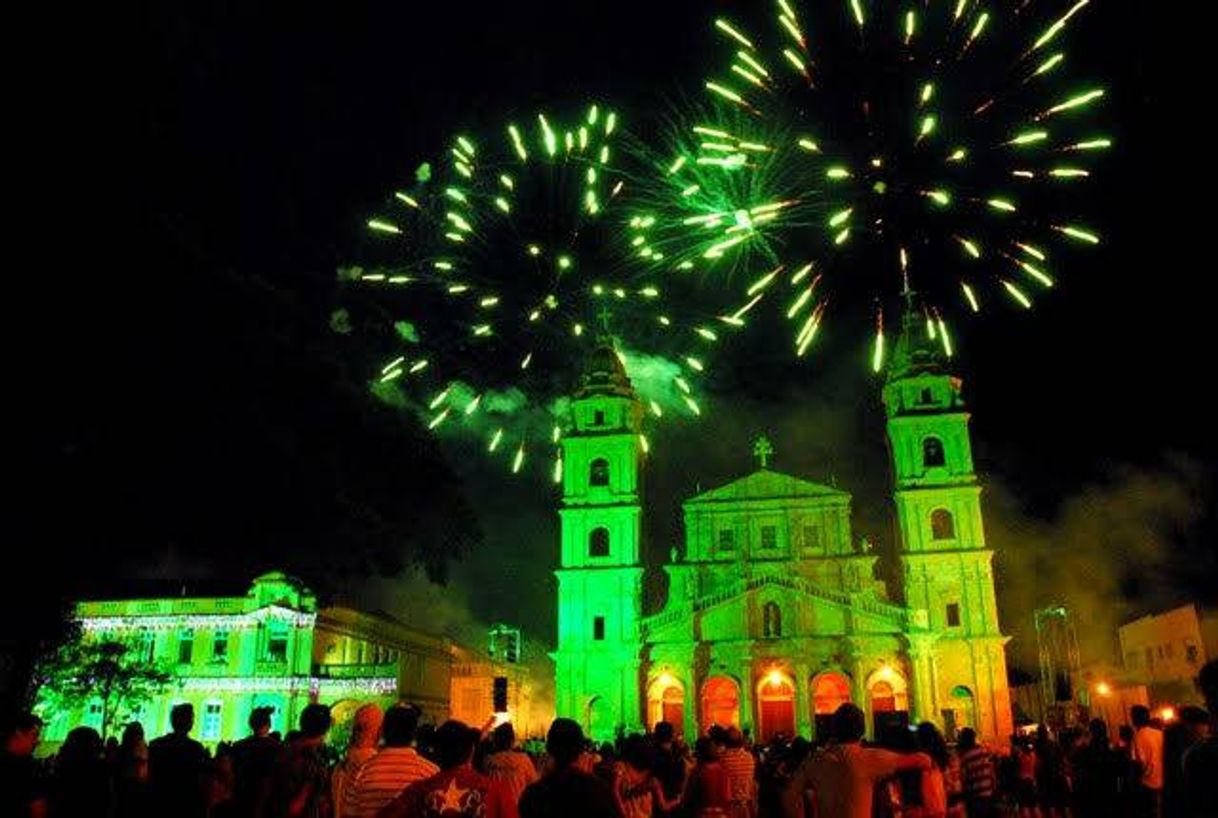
<point>1060,665</point>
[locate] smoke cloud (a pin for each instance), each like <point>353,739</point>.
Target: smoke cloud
<point>1115,550</point>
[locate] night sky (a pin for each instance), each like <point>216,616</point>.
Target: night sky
<point>185,413</point>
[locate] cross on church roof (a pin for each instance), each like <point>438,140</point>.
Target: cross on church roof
<point>762,449</point>
<point>603,316</point>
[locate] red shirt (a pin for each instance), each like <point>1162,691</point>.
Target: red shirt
<point>457,793</point>
<point>709,787</point>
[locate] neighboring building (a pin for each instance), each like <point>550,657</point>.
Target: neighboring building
<point>271,647</point>
<point>1165,651</point>
<point>473,680</point>
<point>355,651</point>
<point>773,616</point>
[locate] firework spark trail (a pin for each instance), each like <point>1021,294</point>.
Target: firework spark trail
<point>506,267</point>
<point>949,134</point>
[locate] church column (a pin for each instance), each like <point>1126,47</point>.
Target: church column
<point>803,704</point>
<point>852,655</point>
<point>936,705</point>
<point>922,703</point>
<point>693,701</point>
<point>748,696</point>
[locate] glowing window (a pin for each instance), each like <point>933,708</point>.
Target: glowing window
<point>942,526</point>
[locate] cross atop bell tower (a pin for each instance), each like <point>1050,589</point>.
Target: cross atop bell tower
<point>762,449</point>
<point>603,316</point>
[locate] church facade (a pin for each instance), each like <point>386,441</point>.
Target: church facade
<point>774,615</point>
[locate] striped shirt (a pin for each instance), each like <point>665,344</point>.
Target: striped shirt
<point>382,778</point>
<point>741,768</point>
<point>513,770</point>
<point>977,773</point>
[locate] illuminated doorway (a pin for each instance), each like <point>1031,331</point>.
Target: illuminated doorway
<point>888,700</point>
<point>829,691</point>
<point>776,697</point>
<point>720,703</point>
<point>666,702</point>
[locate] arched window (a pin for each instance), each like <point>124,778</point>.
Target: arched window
<point>932,452</point>
<point>598,542</point>
<point>942,526</point>
<point>598,472</point>
<point>771,617</point>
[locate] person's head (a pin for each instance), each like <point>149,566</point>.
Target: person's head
<point>1098,731</point>
<point>20,733</point>
<point>504,737</point>
<point>1196,719</point>
<point>718,735</point>
<point>1207,680</point>
<point>82,746</point>
<point>663,732</point>
<point>366,726</point>
<point>260,720</point>
<point>455,743</point>
<point>400,725</point>
<point>733,739</point>
<point>133,734</point>
<point>1140,715</point>
<point>606,751</point>
<point>637,752</point>
<point>848,724</point>
<point>931,742</point>
<point>1042,734</point>
<point>706,750</point>
<point>182,718</point>
<point>1125,732</point>
<point>564,741</point>
<point>966,739</point>
<point>314,722</point>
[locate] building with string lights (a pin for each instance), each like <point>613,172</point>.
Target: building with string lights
<point>271,647</point>
<point>775,614</point>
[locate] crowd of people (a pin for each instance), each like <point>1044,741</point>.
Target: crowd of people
<point>393,767</point>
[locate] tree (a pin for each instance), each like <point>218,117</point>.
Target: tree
<point>81,672</point>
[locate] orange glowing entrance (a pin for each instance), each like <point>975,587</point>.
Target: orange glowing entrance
<point>666,702</point>
<point>829,692</point>
<point>889,701</point>
<point>776,697</point>
<point>720,703</point>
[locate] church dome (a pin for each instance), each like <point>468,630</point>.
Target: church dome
<point>916,351</point>
<point>604,373</point>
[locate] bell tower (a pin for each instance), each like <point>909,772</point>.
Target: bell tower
<point>600,571</point>
<point>946,563</point>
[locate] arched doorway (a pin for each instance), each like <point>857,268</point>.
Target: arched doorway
<point>776,700</point>
<point>598,719</point>
<point>960,712</point>
<point>829,691</point>
<point>666,702</point>
<point>720,703</point>
<point>888,701</point>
